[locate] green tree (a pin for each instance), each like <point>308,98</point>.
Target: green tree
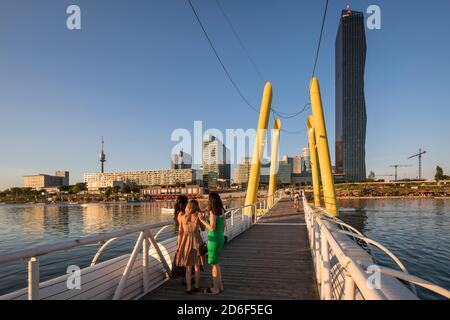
<point>126,188</point>
<point>109,191</point>
<point>64,188</point>
<point>134,187</point>
<point>371,175</point>
<point>439,174</point>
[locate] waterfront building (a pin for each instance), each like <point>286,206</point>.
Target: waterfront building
<point>242,171</point>
<point>215,164</point>
<point>98,181</point>
<point>172,190</point>
<point>296,163</point>
<point>44,181</point>
<point>181,160</point>
<point>351,115</point>
<point>305,160</point>
<point>284,172</point>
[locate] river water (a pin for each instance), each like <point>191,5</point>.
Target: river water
<point>417,231</point>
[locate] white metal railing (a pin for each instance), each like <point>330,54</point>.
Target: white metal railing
<point>162,252</point>
<point>343,269</point>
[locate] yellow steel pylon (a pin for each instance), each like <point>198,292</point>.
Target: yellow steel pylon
<point>255,170</point>
<point>323,151</point>
<point>274,162</point>
<point>313,160</point>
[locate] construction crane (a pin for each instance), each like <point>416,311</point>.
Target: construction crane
<point>419,155</point>
<point>396,166</point>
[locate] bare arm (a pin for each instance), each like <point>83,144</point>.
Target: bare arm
<point>180,230</point>
<point>211,226</point>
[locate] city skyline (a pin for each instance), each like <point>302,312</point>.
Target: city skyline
<point>62,90</point>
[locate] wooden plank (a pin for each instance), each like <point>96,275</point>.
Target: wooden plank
<point>271,261</point>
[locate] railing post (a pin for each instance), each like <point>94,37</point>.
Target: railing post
<point>128,267</point>
<point>326,279</point>
<point>318,255</point>
<point>349,288</point>
<point>158,251</point>
<point>33,279</point>
<point>145,253</point>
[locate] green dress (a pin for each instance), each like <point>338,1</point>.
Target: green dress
<point>216,240</point>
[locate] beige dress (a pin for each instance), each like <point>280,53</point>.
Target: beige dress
<point>189,254</point>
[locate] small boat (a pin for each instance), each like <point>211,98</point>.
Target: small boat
<point>347,209</point>
<point>167,210</point>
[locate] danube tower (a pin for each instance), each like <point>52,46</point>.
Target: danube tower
<point>102,158</point>
<point>351,117</point>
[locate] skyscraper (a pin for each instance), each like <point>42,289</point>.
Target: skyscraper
<point>215,164</point>
<point>351,117</point>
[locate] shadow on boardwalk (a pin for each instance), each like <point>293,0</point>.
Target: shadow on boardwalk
<point>269,261</point>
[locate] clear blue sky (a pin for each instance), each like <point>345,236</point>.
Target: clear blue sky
<point>140,69</point>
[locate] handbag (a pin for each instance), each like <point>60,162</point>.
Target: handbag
<point>177,271</point>
<point>203,249</point>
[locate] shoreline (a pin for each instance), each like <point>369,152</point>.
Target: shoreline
<point>225,199</point>
<point>391,197</point>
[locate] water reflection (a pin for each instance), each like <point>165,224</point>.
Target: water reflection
<point>416,230</point>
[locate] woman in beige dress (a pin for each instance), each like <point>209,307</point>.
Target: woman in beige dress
<point>189,241</point>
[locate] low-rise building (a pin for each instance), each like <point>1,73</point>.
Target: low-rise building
<point>172,190</point>
<point>44,181</point>
<point>98,181</point>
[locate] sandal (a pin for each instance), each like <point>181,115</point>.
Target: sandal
<point>188,291</point>
<point>208,291</point>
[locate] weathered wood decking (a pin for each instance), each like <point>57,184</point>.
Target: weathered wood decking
<point>271,260</point>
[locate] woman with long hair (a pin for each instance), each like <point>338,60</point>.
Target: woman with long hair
<point>215,223</point>
<point>180,206</point>
<point>189,244</point>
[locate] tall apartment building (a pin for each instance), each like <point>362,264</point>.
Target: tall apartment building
<point>351,117</point>
<point>305,160</point>
<point>215,163</point>
<point>242,171</point>
<point>43,181</point>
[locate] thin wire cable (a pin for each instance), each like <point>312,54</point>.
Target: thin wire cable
<point>320,39</point>
<point>241,43</point>
<point>220,60</point>
<point>305,107</point>
<point>281,114</point>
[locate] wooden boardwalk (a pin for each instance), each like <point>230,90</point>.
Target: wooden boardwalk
<point>271,260</point>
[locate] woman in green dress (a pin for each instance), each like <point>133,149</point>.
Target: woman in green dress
<point>215,223</point>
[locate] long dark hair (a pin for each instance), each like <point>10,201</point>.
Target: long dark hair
<point>180,206</point>
<point>215,204</point>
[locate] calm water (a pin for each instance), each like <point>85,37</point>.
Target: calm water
<point>26,226</point>
<point>416,231</point>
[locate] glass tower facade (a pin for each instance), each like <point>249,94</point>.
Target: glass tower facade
<point>351,117</point>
